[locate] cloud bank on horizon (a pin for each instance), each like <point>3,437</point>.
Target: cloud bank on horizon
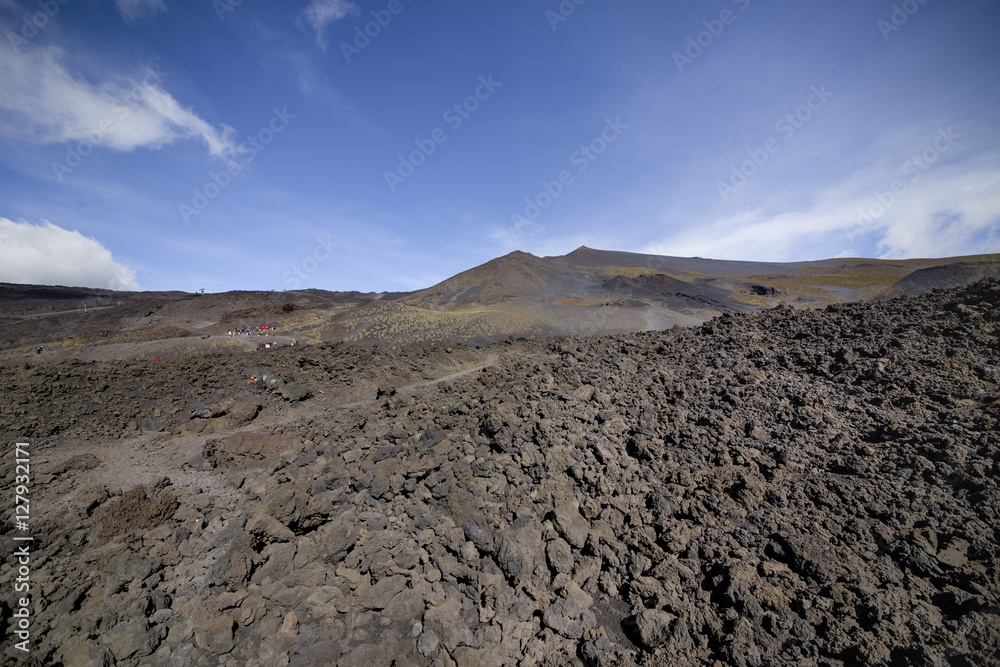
<point>46,254</point>
<point>387,145</point>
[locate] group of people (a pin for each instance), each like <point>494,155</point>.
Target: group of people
<point>260,331</point>
<point>250,331</point>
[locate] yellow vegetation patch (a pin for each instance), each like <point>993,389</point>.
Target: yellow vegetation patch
<point>819,285</point>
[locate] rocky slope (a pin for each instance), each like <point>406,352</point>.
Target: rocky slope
<point>583,293</point>
<point>783,487</point>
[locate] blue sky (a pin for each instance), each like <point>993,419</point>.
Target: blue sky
<point>245,144</point>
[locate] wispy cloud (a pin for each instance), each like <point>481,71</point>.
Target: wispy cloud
<point>321,13</point>
<point>133,10</point>
<point>46,254</point>
<point>43,102</point>
<point>952,210</point>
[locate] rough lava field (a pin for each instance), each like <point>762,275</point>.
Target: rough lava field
<point>784,487</point>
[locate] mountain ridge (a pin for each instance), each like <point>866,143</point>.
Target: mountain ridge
<point>584,292</point>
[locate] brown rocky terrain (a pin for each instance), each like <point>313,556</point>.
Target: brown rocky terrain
<point>583,293</point>
<point>807,487</point>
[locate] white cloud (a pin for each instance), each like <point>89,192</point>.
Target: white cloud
<point>321,13</point>
<point>133,10</point>
<point>40,100</point>
<point>50,255</point>
<point>950,210</point>
<point>952,213</point>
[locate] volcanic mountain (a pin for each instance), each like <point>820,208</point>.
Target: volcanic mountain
<point>593,275</point>
<point>585,292</point>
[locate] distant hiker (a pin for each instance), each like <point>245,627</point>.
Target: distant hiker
<point>38,350</point>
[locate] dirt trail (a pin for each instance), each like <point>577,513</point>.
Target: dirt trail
<point>148,457</point>
<point>467,369</point>
<point>47,313</point>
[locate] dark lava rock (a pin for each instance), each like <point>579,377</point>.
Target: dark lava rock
<point>776,488</point>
